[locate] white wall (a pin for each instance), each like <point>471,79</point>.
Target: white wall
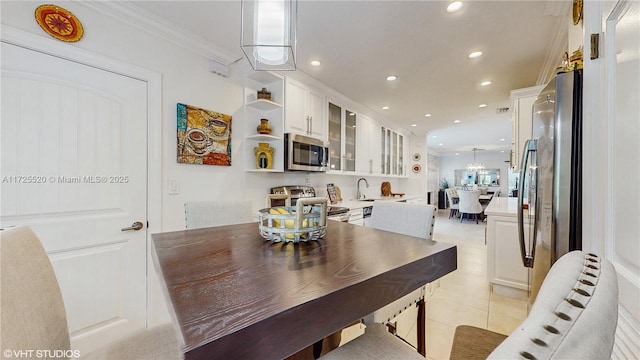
<point>611,138</point>
<point>417,181</point>
<point>491,159</point>
<point>186,79</point>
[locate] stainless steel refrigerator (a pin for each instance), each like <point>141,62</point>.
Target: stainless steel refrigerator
<point>551,177</point>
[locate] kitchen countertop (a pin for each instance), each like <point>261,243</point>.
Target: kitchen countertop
<point>359,204</point>
<point>502,206</point>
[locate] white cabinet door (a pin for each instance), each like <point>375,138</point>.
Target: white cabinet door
<point>305,110</point>
<point>82,132</point>
<point>375,147</point>
<point>356,217</point>
<point>369,146</point>
<point>363,156</point>
<point>504,263</point>
<point>296,117</point>
<point>316,106</point>
<point>522,116</point>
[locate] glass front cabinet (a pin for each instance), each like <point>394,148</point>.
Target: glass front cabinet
<point>343,128</point>
<point>392,155</point>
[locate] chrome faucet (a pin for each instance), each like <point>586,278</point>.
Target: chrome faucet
<point>359,194</point>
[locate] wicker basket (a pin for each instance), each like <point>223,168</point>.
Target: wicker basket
<point>305,221</point>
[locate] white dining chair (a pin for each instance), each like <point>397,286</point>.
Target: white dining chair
<point>378,343</point>
<point>470,204</point>
<point>200,214</point>
<point>452,199</point>
<point>33,313</point>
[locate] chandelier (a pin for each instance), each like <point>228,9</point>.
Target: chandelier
<point>268,37</point>
<point>475,165</point>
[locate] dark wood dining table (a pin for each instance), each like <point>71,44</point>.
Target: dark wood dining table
<point>235,296</point>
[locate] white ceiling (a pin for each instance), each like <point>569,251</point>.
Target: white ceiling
<point>361,42</point>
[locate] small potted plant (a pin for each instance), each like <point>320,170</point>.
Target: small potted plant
<point>444,184</point>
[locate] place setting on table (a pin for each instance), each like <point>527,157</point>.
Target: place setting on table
<point>272,288</point>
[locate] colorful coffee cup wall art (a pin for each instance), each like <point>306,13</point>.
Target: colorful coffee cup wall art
<point>204,136</point>
<point>59,23</point>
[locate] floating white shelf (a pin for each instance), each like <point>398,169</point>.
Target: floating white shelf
<point>263,104</point>
<point>265,170</point>
<point>263,137</point>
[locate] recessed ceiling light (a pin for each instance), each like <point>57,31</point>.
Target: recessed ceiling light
<point>503,139</point>
<point>456,121</point>
<point>440,144</point>
<point>391,77</point>
<point>385,108</point>
<point>475,54</point>
<point>414,125</point>
<point>501,151</point>
<point>485,83</point>
<point>454,6</point>
<point>482,105</point>
<point>427,115</point>
<point>315,63</point>
<point>457,154</point>
<point>434,136</point>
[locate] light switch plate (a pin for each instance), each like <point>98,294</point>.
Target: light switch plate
<point>174,187</point>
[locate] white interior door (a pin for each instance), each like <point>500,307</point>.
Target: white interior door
<point>74,168</point>
<point>622,55</point>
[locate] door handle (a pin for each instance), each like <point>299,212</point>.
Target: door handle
<point>530,147</point>
<point>135,226</point>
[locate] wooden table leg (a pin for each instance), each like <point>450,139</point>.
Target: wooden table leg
<point>421,328</point>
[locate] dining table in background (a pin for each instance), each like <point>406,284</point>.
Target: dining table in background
<point>237,296</point>
<point>484,198</point>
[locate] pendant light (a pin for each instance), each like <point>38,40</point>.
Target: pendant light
<point>268,37</point>
<point>475,165</point>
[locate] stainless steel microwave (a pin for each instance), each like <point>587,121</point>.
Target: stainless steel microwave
<point>304,153</point>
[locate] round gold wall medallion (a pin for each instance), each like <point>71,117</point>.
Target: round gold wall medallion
<point>59,23</point>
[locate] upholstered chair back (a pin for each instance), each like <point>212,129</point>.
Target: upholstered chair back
<point>450,195</point>
<point>32,311</point>
<point>200,214</point>
<point>574,315</point>
<point>404,218</point>
<point>407,219</point>
<point>470,202</point>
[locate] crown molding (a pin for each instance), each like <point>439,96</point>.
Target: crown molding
<point>557,47</point>
<point>132,15</point>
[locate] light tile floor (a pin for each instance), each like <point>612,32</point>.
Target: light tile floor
<point>464,296</point>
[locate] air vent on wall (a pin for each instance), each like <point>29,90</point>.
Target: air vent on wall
<point>502,110</point>
<point>218,68</point>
